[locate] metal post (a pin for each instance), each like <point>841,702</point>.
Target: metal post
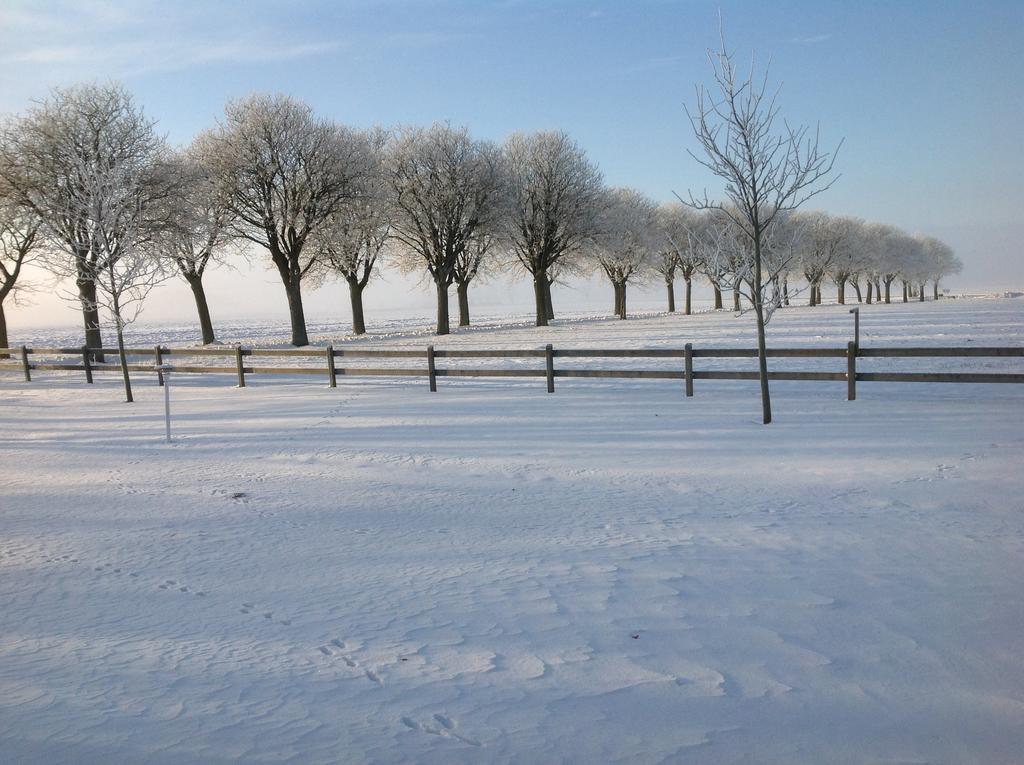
<point>549,355</point>
<point>856,326</point>
<point>332,375</point>
<point>851,372</point>
<point>431,371</point>
<point>24,364</point>
<point>164,370</point>
<point>688,360</point>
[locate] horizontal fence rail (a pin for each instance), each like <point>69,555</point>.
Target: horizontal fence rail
<point>241,363</point>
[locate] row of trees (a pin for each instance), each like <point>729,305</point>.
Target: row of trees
<point>90,188</point>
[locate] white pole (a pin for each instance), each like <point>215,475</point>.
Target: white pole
<point>165,369</point>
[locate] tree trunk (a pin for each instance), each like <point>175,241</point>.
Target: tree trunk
<point>856,287</point>
<point>671,296</point>
<point>548,306</point>
<point>785,290</point>
<point>295,313</point>
<point>689,289</point>
<point>869,292</point>
<point>540,299</point>
<point>841,292</point>
<point>124,366</point>
<point>202,308</point>
<point>813,295</point>
<point>762,352</point>
<point>736,299</point>
<point>443,328</point>
<point>718,296</point>
<point>905,291</point>
<point>935,290</point>
<point>622,300</point>
<point>920,293</point>
<point>462,289</point>
<point>3,332</point>
<point>618,299</point>
<point>355,295</point>
<point>90,316</point>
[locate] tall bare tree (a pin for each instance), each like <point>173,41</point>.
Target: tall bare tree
<point>627,241</point>
<point>447,190</point>
<point>127,198</point>
<point>475,258</point>
<point>554,196</point>
<point>680,228</point>
<point>766,172</point>
<point>19,245</point>
<point>357,234</point>
<point>940,261</point>
<point>287,173</point>
<point>198,230</point>
<point>57,157</point>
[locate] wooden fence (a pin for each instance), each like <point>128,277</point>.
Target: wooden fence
<point>327,357</point>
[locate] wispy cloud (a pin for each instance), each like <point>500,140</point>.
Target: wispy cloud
<point>812,39</point>
<point>97,37</point>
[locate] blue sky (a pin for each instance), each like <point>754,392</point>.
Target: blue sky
<point>928,96</point>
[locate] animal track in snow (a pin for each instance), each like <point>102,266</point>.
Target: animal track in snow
<point>248,608</point>
<point>441,726</point>
<point>338,648</point>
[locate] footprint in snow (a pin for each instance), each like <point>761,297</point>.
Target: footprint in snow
<point>441,726</point>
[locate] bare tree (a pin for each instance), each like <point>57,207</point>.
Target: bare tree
<point>940,261</point>
<point>19,245</point>
<point>473,258</point>
<point>674,222</point>
<point>447,192</point>
<point>198,234</point>
<point>55,160</point>
<point>356,235</point>
<point>554,193</point>
<point>126,196</point>
<point>627,241</point>
<point>287,172</point>
<point>765,173</point>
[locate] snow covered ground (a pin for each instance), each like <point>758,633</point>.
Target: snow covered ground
<point>613,573</point>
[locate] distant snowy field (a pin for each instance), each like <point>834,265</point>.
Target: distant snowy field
<point>612,573</point>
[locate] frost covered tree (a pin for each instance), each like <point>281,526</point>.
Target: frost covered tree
<point>627,240</point>
<point>815,252</point>
<point>120,188</point>
<point>940,261</point>
<point>287,172</point>
<point>353,239</point>
<point>59,160</point>
<point>447,189</point>
<point>476,257</point>
<point>19,245</point>
<point>198,232</point>
<point>675,252</point>
<point>766,172</point>
<point>554,195</point>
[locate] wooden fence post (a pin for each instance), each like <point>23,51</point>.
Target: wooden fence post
<point>431,371</point>
<point>688,361</point>
<point>331,374</point>
<point>24,364</point>
<point>851,371</point>
<point>238,366</point>
<point>87,363</point>
<point>549,356</point>
<point>158,359</point>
